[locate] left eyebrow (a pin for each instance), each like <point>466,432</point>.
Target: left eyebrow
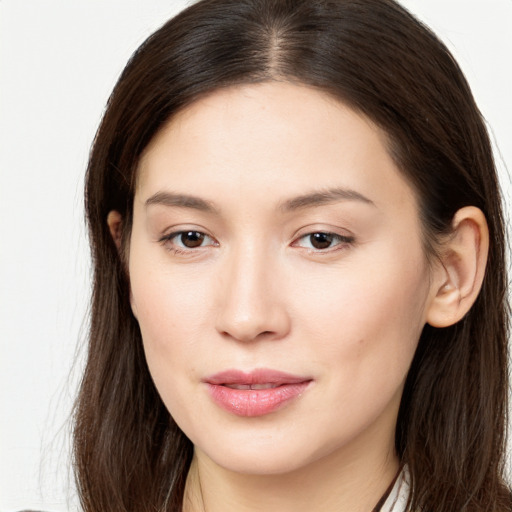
<point>323,197</point>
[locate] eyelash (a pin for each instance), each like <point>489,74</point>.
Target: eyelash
<point>167,240</point>
<point>342,241</point>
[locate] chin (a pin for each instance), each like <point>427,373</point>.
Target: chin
<point>261,451</point>
<point>260,462</point>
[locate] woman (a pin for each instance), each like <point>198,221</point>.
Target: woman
<point>299,298</point>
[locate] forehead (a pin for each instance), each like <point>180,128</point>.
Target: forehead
<point>271,136</point>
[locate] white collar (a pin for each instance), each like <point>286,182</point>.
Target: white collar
<point>397,499</point>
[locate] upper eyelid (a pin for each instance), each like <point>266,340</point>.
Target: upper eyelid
<point>328,230</point>
<point>325,232</point>
<point>174,234</point>
<point>344,238</point>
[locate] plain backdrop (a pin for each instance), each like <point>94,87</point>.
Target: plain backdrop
<point>59,60</point>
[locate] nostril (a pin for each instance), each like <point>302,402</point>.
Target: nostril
<point>247,336</point>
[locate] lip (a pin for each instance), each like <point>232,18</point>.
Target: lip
<point>256,393</point>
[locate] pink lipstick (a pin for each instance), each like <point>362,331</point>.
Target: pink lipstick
<point>259,392</point>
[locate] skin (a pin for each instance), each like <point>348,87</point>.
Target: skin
<point>256,293</point>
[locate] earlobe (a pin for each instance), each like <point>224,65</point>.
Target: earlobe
<point>114,221</point>
<point>461,271</point>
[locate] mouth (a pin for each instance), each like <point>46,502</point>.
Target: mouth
<point>252,386</point>
<point>256,393</point>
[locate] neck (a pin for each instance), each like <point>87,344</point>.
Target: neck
<point>336,483</point>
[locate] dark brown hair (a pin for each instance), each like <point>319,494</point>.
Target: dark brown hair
<point>378,59</point>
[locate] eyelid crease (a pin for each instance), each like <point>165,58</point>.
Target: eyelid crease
<point>324,227</point>
<point>342,239</point>
<point>179,232</point>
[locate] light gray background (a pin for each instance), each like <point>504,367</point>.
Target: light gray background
<point>58,63</point>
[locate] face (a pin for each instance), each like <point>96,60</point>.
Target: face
<point>278,278</point>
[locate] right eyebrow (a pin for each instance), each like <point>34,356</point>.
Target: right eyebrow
<point>180,201</point>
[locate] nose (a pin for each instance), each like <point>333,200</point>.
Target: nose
<point>251,301</point>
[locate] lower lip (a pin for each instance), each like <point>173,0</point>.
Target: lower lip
<point>255,402</point>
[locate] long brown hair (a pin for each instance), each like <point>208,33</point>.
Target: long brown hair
<point>375,57</point>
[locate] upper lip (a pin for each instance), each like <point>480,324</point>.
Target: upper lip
<point>257,376</point>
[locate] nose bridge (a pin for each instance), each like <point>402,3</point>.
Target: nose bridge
<point>250,306</point>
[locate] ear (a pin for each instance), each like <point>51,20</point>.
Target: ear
<point>115,223</point>
<point>459,276</point>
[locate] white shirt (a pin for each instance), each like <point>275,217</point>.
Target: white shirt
<point>397,499</point>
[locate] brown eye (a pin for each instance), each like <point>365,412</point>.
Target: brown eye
<point>185,242</point>
<point>191,239</point>
<point>321,240</point>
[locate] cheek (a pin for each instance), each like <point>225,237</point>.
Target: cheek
<point>172,312</point>
<point>370,312</point>
<point>171,306</point>
<point>361,333</point>
<point>165,313</point>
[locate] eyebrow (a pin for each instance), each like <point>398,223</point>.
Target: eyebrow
<point>323,197</point>
<point>310,200</point>
<point>181,201</point>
